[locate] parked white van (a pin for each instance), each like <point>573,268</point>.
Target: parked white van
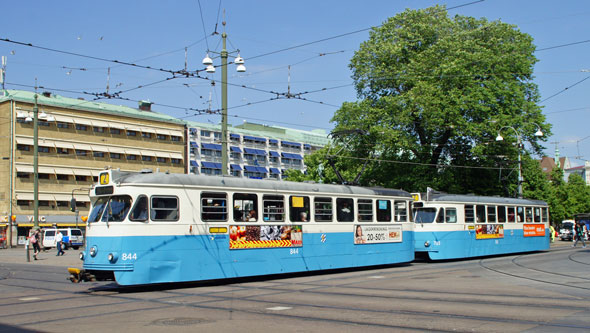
<point>72,237</point>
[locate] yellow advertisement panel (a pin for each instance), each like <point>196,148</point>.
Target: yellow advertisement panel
<point>489,231</point>
<point>533,230</point>
<point>265,236</point>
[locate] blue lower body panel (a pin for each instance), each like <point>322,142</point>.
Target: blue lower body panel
<point>163,259</point>
<point>463,244</point>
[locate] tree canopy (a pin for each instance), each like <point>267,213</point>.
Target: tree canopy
<point>434,92</point>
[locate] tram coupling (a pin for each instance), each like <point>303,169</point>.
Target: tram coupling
<point>78,275</point>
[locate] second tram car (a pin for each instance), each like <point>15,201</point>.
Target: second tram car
<point>450,226</point>
<point>146,228</point>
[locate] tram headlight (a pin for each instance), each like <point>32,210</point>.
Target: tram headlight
<point>426,244</point>
<point>112,257</point>
<point>93,251</point>
<point>81,255</point>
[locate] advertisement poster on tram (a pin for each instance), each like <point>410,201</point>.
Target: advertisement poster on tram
<point>266,236</point>
<point>533,230</point>
<point>364,234</point>
<point>489,231</point>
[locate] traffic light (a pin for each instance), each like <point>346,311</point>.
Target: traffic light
<point>73,204</point>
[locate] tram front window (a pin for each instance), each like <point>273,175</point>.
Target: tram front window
<point>97,209</point>
<point>117,208</point>
<point>425,215</point>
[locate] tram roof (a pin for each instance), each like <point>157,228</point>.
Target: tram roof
<point>469,198</point>
<point>160,178</point>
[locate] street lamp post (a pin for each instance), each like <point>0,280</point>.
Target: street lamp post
<point>519,145</point>
<point>211,69</point>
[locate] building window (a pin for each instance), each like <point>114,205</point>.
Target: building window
<point>62,177</point>
<point>80,152</point>
<point>161,159</point>
<point>115,131</point>
<point>81,178</point>
<point>63,151</point>
<point>146,158</point>
<point>99,129</point>
<point>131,133</point>
<point>115,156</point>
<point>146,135</point>
<point>23,147</point>
<point>131,157</point>
<point>22,202</point>
<point>43,123</point>
<point>175,138</point>
<point>81,127</point>
<point>217,136</point>
<point>63,125</point>
<point>43,149</point>
<point>43,176</point>
<point>161,137</point>
<point>98,154</point>
<point>205,133</point>
<point>24,175</point>
<point>175,160</point>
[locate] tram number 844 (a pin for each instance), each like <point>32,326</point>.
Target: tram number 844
<point>129,256</point>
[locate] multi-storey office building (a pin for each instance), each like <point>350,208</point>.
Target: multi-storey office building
<point>76,139</point>
<point>255,151</point>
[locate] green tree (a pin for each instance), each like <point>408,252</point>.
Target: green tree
<point>434,92</point>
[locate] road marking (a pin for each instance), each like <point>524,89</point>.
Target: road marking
<point>279,308</point>
<point>29,299</point>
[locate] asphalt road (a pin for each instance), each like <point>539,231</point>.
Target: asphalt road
<point>535,292</point>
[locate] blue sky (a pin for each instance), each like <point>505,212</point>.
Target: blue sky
<point>155,33</point>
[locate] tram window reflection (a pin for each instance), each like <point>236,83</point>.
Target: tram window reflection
<point>273,208</point>
<point>164,208</point>
<point>400,211</point>
<point>480,212</point>
<point>537,214</point>
<point>501,214</point>
<point>511,214</point>
<point>545,215</point>
<point>469,214</point>
<point>383,211</point>
<point>491,214</point>
<point>245,207</point>
<point>139,212</point>
<point>365,209</point>
<point>323,209</point>
<point>345,208</point>
<point>520,214</point>
<point>528,214</point>
<point>299,209</point>
<point>213,206</point>
<point>451,215</point>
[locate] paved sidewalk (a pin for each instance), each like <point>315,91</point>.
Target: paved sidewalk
<point>19,256</point>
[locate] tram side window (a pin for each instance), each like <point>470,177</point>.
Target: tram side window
<point>511,214</point>
<point>139,212</point>
<point>365,208</point>
<point>245,207</point>
<point>480,212</point>
<point>528,213</point>
<point>299,209</point>
<point>440,218</point>
<point>213,206</point>
<point>491,214</point>
<point>451,215</point>
<point>400,211</point>
<point>501,214</point>
<point>323,209</point>
<point>273,208</point>
<point>537,214</point>
<point>117,208</point>
<point>545,214</point>
<point>345,208</point>
<point>469,214</point>
<point>520,214</point>
<point>383,211</point>
<point>164,208</point>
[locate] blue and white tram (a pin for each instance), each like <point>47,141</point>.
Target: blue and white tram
<point>146,228</point>
<point>449,226</point>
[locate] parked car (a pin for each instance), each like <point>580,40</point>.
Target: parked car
<point>566,231</point>
<point>72,237</point>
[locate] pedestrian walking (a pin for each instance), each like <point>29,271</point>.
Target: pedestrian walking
<point>58,238</point>
<point>579,234</point>
<point>552,233</point>
<point>34,239</point>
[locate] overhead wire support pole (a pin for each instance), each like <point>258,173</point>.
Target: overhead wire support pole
<point>224,159</point>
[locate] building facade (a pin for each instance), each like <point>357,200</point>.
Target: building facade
<point>76,139</point>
